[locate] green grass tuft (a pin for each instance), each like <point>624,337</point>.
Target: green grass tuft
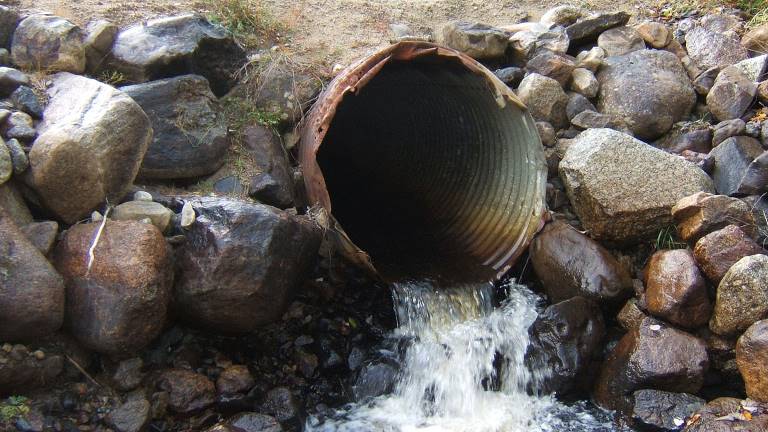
<point>667,239</point>
<point>248,20</point>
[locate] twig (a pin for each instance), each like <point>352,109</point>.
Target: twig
<point>80,368</point>
<point>91,255</point>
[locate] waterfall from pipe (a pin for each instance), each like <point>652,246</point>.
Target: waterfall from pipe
<point>464,369</point>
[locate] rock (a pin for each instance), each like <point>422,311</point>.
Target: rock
<point>731,94</point>
<point>593,120</point>
<point>529,43</point>
<point>751,357</point>
<point>563,340</point>
<point>131,416</point>
<point>630,316</point>
<point>594,273</point>
<point>235,379</point>
<point>686,136</point>
<point>660,410</point>
<point>236,280</point>
<point>620,40</point>
<point>563,15</point>
<point>547,133</point>
<point>19,158</point>
<point>187,391</point>
<point>556,66</point>
<point>50,43</point>
<point>601,171</point>
<point>271,181</point>
<point>648,88</point>
<point>742,296</point>
<point>510,76</point>
<point>9,19</point>
<point>675,290</point>
<point>545,99</point>
<point>702,213</point>
<point>26,100</point>
<point>141,195</point>
<point>721,23</point>
<point>727,414</point>
<point>190,133</point>
<point>577,104</point>
<point>6,163</point>
<point>756,40</point>
<point>590,60</point>
<point>138,210</point>
<point>187,215</point>
<point>588,29</point>
<point>90,144</point>
<point>21,371</point>
<point>726,129</point>
<point>710,49</point>
<point>280,403</point>
<point>129,282</point>
<point>374,379</point>
<point>11,79</point>
<point>20,126</point>
<point>734,164</point>
<point>753,68</point>
<point>716,252</point>
<point>584,82</point>
<point>249,422</point>
<point>704,82</point>
<point>177,45</point>
<point>42,235</point>
<point>99,36</point>
<point>31,292</point>
<point>655,34</point>
<point>476,40</point>
<point>12,202</point>
<point>128,374</point>
<point>655,355</point>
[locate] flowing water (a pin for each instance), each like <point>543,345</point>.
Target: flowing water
<point>464,369</point>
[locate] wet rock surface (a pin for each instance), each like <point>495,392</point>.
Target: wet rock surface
<point>272,181</point>
<point>742,296</point>
<point>702,213</point>
<point>751,358</point>
<point>716,252</point>
<point>660,410</point>
<point>675,290</point>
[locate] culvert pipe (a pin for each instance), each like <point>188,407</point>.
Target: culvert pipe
<point>422,160</point>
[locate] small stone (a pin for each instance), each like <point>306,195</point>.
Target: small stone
<point>717,251</point>
<point>752,357</point>
<point>11,79</point>
<point>42,235</point>
<point>742,296</point>
<point>510,76</point>
<point>187,215</point>
<point>578,103</point>
<point>39,355</point>
<point>686,136</point>
<point>762,92</point>
<point>128,374</point>
<point>726,129</point>
<point>593,120</point>
<point>545,99</point>
<point>131,416</point>
<point>20,126</point>
<point>142,196</point>
<point>96,216</point>
<point>583,81</point>
<point>6,164</point>
<point>731,94</point>
<point>630,316</point>
<point>591,59</point>
<point>756,40</point>
<point>563,15</point>
<point>735,158</point>
<point>660,410</point>
<point>556,66</point>
<point>280,403</point>
<point>26,100</point>
<point>675,289</point>
<point>704,82</point>
<point>187,391</point>
<point>18,156</point>
<point>547,133</point>
<point>655,34</point>
<point>702,213</point>
<point>590,28</point>
<point>528,43</point>
<point>48,42</point>
<point>620,40</point>
<point>158,214</point>
<point>477,40</point>
<point>100,34</point>
<point>235,379</point>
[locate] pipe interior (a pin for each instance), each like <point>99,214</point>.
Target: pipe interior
<point>421,166</point>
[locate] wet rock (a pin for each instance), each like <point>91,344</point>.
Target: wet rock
<point>577,104</point>
<point>476,40</point>
<point>26,100</point>
<point>702,213</point>
<point>177,45</point>
<point>271,181</point>
<point>11,79</point>
<point>130,416</point>
<point>728,414</point>
<point>42,235</point>
<point>630,316</point>
<point>591,59</point>
<point>660,410</point>
<point>48,42</point>
<point>545,99</point>
<point>583,81</point>
<point>675,290</point>
<point>140,210</point>
<point>190,134</point>
<point>130,282</point>
<point>602,169</point>
<point>756,40</point>
<point>648,88</point>
<point>742,296</point>
<point>280,403</point>
<point>588,29</point>
<point>128,374</point>
<point>31,291</point>
<point>686,136</point>
<point>708,48</point>
<point>90,144</point>
<point>716,252</point>
<point>237,279</point>
<point>249,422</point>
<point>235,379</point>
<point>556,66</point>
<point>657,35</point>
<point>528,43</point>
<point>187,391</point>
<point>726,129</point>
<point>751,357</point>
<point>593,120</point>
<point>731,94</point>
<point>563,15</point>
<point>21,372</point>
<point>655,355</point>
<point>19,158</point>
<point>594,273</point>
<point>374,379</point>
<point>563,340</point>
<point>735,164</point>
<point>99,36</point>
<point>620,40</point>
<point>510,76</point>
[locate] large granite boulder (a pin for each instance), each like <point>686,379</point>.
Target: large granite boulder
<point>89,148</point>
<point>623,189</point>
<point>49,43</point>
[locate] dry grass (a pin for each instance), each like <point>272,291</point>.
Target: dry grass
<point>248,20</point>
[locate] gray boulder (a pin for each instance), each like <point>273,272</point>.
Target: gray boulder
<point>272,181</point>
<point>177,45</point>
<point>620,40</point>
<point>648,88</point>
<point>9,19</point>
<point>90,145</point>
<point>742,296</point>
<point>589,28</point>
<point>190,131</point>
<point>99,36</point>
<point>710,48</point>
<point>528,43</point>
<point>476,40</point>
<point>556,66</point>
<point>11,79</point>
<point>738,166</point>
<point>48,42</point>
<point>660,410</point>
<point>731,94</point>
<point>545,99</point>
<point>623,189</point>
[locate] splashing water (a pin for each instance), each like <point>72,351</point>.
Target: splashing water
<point>464,370</point>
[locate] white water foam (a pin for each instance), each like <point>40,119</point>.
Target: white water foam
<point>464,371</point>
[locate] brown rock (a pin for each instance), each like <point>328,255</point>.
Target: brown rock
<point>12,202</point>
<point>120,305</point>
<point>620,40</point>
<point>716,252</point>
<point>630,316</point>
<point>731,94</point>
<point>21,371</point>
<point>31,292</point>
<point>656,356</point>
<point>592,273</point>
<point>556,66</point>
<point>41,234</point>
<point>762,92</point>
<point>701,213</point>
<point>676,290</point>
<point>187,391</point>
<point>235,379</point>
<point>742,296</point>
<point>654,34</point>
<point>726,414</point>
<point>756,40</point>
<point>752,359</point>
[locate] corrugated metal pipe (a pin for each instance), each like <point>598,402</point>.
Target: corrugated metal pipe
<point>429,163</point>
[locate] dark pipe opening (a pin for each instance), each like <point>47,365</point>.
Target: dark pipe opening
<point>424,169</point>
